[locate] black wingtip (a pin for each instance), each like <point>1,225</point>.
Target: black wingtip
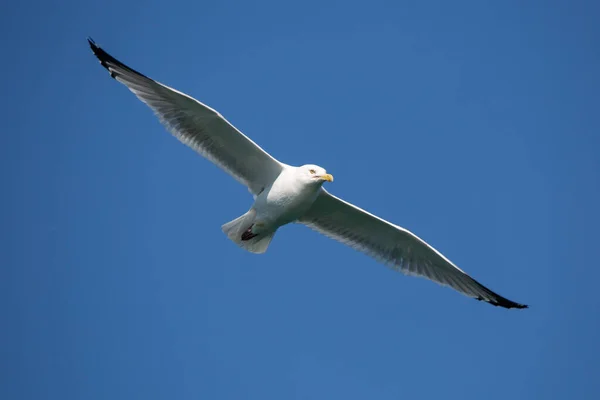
<point>106,59</point>
<point>502,302</point>
<point>495,299</point>
<point>92,44</point>
<point>98,52</point>
<point>511,304</point>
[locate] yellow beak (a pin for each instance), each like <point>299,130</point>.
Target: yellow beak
<point>327,177</point>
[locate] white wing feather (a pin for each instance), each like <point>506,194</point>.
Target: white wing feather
<point>394,246</point>
<point>198,126</point>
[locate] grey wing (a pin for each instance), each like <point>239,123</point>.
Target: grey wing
<point>198,126</point>
<point>394,246</point>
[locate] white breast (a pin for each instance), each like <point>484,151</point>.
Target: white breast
<point>286,200</point>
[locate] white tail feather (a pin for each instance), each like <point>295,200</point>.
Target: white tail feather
<point>234,230</point>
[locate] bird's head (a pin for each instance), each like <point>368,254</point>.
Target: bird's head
<point>314,174</point>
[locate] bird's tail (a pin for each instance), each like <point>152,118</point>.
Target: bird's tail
<point>237,231</point>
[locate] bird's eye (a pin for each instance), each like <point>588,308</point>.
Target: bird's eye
<point>312,171</point>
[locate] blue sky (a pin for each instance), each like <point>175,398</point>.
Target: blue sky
<point>474,124</point>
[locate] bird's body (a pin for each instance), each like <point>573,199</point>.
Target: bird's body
<point>286,200</point>
<point>285,194</point>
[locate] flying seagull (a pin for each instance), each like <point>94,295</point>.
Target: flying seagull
<point>284,193</point>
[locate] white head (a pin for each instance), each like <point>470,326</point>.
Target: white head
<point>313,174</point>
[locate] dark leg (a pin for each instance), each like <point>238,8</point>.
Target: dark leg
<point>248,234</point>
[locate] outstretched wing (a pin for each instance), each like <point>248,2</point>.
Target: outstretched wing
<point>198,126</point>
<point>396,247</point>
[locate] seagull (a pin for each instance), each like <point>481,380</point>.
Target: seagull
<point>286,194</point>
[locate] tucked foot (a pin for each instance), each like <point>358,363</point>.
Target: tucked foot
<point>248,234</point>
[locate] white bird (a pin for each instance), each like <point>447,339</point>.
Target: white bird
<point>284,194</point>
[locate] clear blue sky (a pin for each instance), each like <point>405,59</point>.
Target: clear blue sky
<point>475,124</point>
